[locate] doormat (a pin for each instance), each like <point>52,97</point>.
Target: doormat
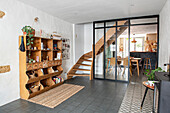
<point>57,95</point>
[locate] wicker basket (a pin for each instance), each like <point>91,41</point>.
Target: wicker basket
<point>50,70</point>
<point>32,75</point>
<point>35,89</point>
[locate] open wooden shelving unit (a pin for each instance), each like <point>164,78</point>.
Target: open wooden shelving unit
<point>43,80</point>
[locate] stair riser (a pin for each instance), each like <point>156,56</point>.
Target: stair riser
<point>87,58</point>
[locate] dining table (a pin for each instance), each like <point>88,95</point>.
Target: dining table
<point>132,59</point>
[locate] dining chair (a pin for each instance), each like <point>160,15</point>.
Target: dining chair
<point>125,64</point>
<point>140,64</point>
<point>119,62</point>
<point>112,62</point>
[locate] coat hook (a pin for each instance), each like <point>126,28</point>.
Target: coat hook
<point>36,19</point>
<point>2,14</point>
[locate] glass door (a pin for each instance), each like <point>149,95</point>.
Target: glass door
<point>114,51</point>
<point>110,53</point>
<point>111,48</point>
<point>99,59</point>
<point>122,53</point>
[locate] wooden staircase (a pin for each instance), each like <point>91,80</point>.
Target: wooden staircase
<point>85,62</point>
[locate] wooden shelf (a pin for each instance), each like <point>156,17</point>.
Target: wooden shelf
<point>56,50</point>
<point>57,35</point>
<point>36,79</point>
<point>46,38</point>
<point>43,67</point>
<point>58,60</point>
<point>45,50</point>
<point>44,90</point>
<point>27,69</point>
<point>56,39</point>
<point>32,50</point>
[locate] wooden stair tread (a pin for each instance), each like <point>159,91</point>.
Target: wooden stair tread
<point>86,60</point>
<point>83,64</point>
<point>81,69</point>
<point>87,56</point>
<point>79,74</point>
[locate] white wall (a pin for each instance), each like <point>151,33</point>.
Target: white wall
<point>164,40</point>
<point>79,41</point>
<point>88,37</point>
<point>84,41</point>
<point>17,16</point>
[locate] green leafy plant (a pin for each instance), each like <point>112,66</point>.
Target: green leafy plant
<point>151,75</point>
<point>28,30</point>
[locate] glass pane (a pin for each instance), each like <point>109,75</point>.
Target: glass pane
<point>122,22</point>
<point>141,21</point>
<point>99,24</point>
<point>143,44</point>
<point>110,53</point>
<point>111,23</point>
<point>99,40</point>
<point>122,53</point>
<point>142,34</point>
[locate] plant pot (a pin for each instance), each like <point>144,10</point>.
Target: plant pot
<point>24,33</point>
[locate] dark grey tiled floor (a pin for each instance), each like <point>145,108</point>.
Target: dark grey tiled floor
<point>98,96</point>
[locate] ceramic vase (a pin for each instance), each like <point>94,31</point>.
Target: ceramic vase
<point>22,46</point>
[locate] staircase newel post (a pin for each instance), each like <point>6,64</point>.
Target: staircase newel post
<point>91,70</point>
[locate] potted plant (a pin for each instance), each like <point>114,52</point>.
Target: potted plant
<point>151,75</point>
<point>30,32</point>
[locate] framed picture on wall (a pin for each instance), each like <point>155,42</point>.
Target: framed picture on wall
<point>65,49</point>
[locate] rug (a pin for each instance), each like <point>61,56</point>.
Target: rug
<point>57,95</point>
<point>134,95</point>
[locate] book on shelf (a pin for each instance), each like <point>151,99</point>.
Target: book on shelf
<point>58,56</point>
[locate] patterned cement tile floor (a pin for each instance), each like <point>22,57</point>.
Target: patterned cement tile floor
<point>98,96</point>
<point>134,95</point>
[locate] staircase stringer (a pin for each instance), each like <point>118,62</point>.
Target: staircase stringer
<point>76,66</point>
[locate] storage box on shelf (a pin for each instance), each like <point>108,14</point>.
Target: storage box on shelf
<point>39,65</point>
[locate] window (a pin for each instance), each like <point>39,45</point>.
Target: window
<point>139,45</point>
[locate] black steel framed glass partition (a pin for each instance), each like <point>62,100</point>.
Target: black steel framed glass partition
<point>112,45</point>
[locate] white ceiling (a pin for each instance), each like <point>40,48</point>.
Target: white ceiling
<point>82,11</point>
